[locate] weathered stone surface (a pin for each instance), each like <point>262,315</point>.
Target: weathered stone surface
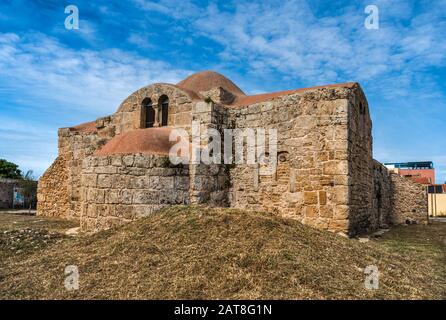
<point>408,200</point>
<point>52,190</point>
<point>326,176</point>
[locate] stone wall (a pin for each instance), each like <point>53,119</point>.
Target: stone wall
<point>381,213</point>
<point>7,192</point>
<point>311,183</point>
<point>409,200</point>
<point>76,146</point>
<point>62,179</point>
<point>209,183</point>
<point>120,188</point>
<point>360,166</point>
<point>52,190</point>
<point>396,199</point>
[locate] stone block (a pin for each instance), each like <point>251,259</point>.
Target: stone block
<point>339,225</point>
<point>105,181</point>
<point>128,160</point>
<point>116,161</point>
<point>341,212</point>
<point>311,212</point>
<point>310,197</point>
<point>125,196</point>
<point>322,198</point>
<point>105,169</point>
<point>335,167</point>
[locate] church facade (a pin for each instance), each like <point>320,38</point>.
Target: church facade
<point>117,168</point>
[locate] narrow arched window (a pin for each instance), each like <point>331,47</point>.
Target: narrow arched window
<point>149,113</point>
<point>164,106</point>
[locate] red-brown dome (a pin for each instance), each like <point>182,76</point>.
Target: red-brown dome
<point>206,80</point>
<point>147,141</point>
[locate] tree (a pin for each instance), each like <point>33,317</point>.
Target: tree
<point>9,170</point>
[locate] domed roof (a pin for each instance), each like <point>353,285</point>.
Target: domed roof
<point>147,141</point>
<point>207,80</point>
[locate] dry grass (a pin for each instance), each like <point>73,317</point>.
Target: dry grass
<point>202,253</point>
<point>21,235</point>
<point>19,221</point>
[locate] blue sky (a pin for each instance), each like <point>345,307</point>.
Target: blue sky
<point>51,77</point>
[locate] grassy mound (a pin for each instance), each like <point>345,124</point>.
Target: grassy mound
<point>202,253</point>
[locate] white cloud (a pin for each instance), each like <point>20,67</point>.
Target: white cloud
<point>174,8</point>
<point>30,145</point>
<point>91,81</point>
<point>139,40</point>
<point>289,37</point>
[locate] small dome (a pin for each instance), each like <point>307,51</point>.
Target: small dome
<point>147,141</point>
<point>207,80</point>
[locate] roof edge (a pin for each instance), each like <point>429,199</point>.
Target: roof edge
<point>248,100</point>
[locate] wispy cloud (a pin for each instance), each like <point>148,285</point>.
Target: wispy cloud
<point>176,9</point>
<point>80,80</point>
<point>291,38</point>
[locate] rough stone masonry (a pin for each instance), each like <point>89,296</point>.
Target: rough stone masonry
<point>116,169</point>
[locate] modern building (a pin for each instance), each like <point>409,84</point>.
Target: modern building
<point>421,172</point>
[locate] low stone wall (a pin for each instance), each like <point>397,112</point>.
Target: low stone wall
<point>52,190</point>
<point>75,146</point>
<point>120,188</point>
<point>396,199</point>
<point>409,200</point>
<point>7,193</point>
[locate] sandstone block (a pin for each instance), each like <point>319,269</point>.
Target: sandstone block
<point>310,197</point>
<point>322,197</point>
<point>128,160</point>
<point>336,167</point>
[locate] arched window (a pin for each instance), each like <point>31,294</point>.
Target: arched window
<point>164,106</point>
<point>149,113</point>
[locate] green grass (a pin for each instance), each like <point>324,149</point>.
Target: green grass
<point>204,253</point>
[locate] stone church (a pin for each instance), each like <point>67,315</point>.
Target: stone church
<point>116,169</point>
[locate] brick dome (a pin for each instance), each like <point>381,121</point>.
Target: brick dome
<point>146,141</point>
<point>207,80</point>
